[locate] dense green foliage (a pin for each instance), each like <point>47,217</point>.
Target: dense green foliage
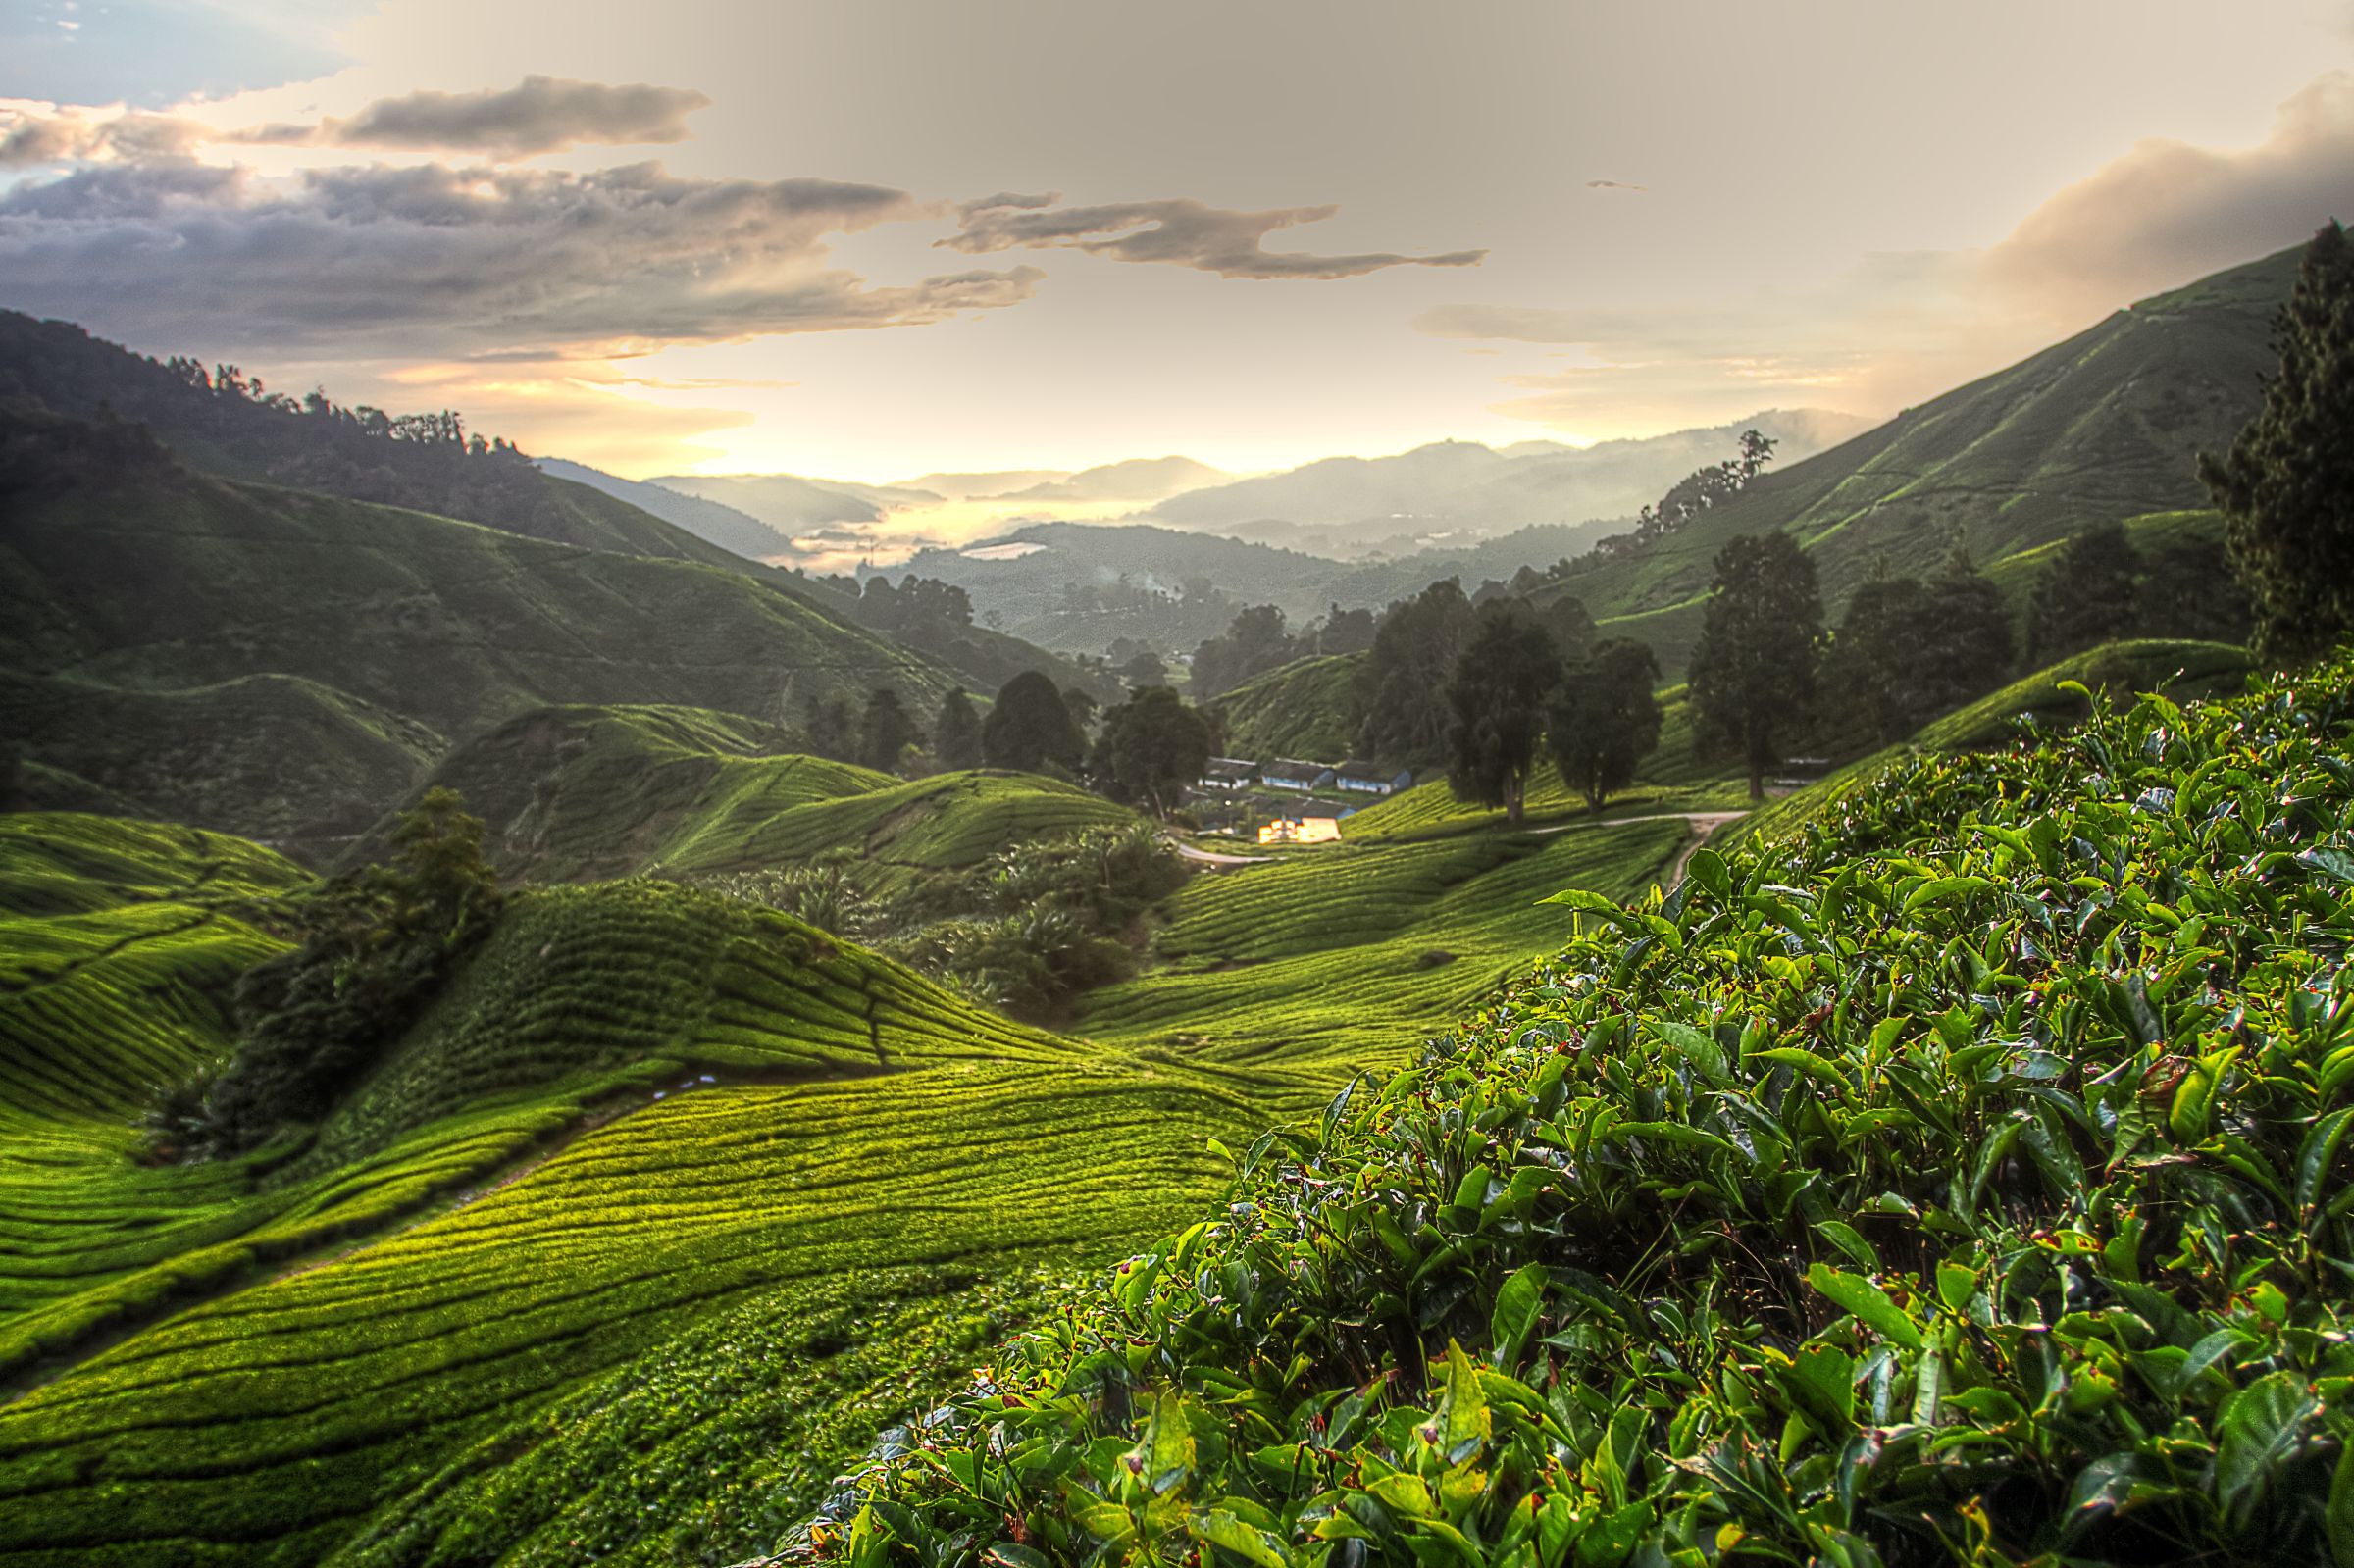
<point>956,732</point>
<point>1255,643</point>
<point>1402,684</point>
<point>1908,650</point>
<point>1963,1180</point>
<point>2086,593</point>
<point>2286,486</point>
<point>1753,675</point>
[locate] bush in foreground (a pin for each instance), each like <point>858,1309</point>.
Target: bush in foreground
<point>1964,1182</point>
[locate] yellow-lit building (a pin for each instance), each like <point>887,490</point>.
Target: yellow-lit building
<point>1306,831</point>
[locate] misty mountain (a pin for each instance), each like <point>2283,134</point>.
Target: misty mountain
<point>1139,478</point>
<point>711,521</point>
<point>785,502</point>
<point>1350,505</point>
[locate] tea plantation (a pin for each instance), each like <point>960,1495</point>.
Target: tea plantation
<point>653,1108</point>
<point>1959,1177</point>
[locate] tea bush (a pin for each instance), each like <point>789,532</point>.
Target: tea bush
<point>1959,1180</point>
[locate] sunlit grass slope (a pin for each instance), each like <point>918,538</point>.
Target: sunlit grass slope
<point>1354,954</point>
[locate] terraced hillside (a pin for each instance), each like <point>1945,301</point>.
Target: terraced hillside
<point>279,757</point>
<point>2103,427</point>
<point>644,1119</point>
<point>1304,709</point>
<point>582,792</point>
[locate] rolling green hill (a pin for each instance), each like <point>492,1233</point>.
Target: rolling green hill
<point>2103,427</point>
<point>1346,956</point>
<point>381,636</point>
<point>231,432</point>
<point>279,757</point>
<point>583,792</point>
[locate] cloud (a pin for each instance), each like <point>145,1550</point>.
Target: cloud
<point>540,115</point>
<point>1178,230</point>
<point>2168,212</point>
<point>434,261</point>
<point>1612,185</point>
<point>1897,329</point>
<point>32,135</point>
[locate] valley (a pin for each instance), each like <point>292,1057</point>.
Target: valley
<point>532,1034</point>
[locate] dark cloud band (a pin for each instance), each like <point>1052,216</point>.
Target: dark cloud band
<point>438,260</point>
<point>1177,231</point>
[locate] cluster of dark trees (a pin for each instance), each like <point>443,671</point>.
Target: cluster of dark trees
<point>1260,639</point>
<point>372,949</point>
<point>1144,752</point>
<point>1515,685</point>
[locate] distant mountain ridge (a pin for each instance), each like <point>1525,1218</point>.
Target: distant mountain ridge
<point>1462,487</point>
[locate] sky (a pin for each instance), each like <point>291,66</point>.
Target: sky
<point>875,239</point>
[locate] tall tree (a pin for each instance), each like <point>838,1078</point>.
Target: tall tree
<point>2286,487</point>
<point>1495,704</point>
<point>2084,597</point>
<point>1871,674</point>
<point>1753,675</point>
<point>1402,684</point>
<point>1605,719</point>
<point>885,731</point>
<point>1345,631</point>
<point>956,732</point>
<point>1152,746</point>
<point>1030,728</point>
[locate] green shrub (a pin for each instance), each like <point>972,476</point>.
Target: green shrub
<point>375,946</point>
